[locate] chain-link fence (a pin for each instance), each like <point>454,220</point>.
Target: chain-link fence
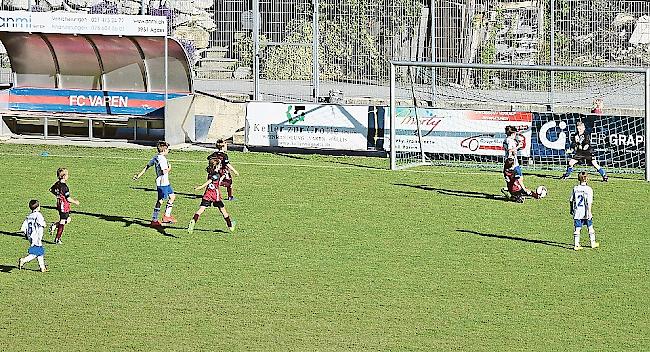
<point>351,42</point>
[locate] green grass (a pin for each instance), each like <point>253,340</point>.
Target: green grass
<point>330,254</point>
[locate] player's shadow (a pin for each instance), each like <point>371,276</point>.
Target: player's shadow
<point>127,221</point>
<point>358,165</point>
<point>521,239</point>
<point>21,235</point>
<point>7,268</point>
<point>185,195</point>
<point>14,234</point>
<point>457,193</point>
<point>291,156</point>
<point>542,175</point>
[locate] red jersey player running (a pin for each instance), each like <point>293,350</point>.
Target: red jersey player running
<point>212,195</point>
<point>516,191</point>
<point>62,193</point>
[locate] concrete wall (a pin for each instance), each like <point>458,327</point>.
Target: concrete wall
<point>179,120</point>
<point>227,117</point>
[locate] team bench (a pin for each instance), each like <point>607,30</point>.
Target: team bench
<point>52,119</point>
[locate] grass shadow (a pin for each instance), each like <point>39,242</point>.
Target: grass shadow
<point>359,165</point>
<point>521,239</point>
<point>127,221</point>
<point>185,195</point>
<point>291,156</point>
<point>10,268</point>
<point>13,234</point>
<point>458,193</point>
<point>7,268</point>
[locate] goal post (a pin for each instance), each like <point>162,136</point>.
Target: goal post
<point>455,112</point>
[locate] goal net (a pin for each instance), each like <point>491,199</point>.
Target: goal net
<point>456,114</point>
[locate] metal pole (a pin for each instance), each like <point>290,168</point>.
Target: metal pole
<point>434,55</point>
<point>647,124</point>
<point>166,78</point>
<point>45,132</point>
<point>551,93</point>
<point>315,44</point>
<point>90,128</point>
<point>256,49</point>
<point>142,7</point>
<point>393,119</point>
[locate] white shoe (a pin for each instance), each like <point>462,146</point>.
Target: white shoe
<point>595,245</point>
<point>577,248</point>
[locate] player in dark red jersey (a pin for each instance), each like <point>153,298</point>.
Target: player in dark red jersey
<point>228,169</point>
<point>515,191</point>
<point>212,195</point>
<point>62,193</point>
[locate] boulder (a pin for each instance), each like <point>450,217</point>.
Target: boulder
<point>53,4</point>
<point>199,36</point>
<point>17,4</point>
<point>623,19</point>
<point>130,7</point>
<point>183,6</point>
<point>203,4</point>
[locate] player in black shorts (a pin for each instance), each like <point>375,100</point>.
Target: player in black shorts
<point>581,147</point>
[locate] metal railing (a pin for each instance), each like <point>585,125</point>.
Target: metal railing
<point>336,50</point>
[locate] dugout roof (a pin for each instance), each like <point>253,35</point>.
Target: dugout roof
<point>96,62</point>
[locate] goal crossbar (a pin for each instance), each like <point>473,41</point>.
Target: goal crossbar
<point>548,68</point>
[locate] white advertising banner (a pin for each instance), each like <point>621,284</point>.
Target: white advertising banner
<point>307,126</point>
<point>460,131</point>
<point>78,23</point>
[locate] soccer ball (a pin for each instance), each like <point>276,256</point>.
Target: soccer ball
<point>542,191</point>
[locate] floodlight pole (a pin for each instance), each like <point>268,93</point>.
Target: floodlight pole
<point>393,126</point>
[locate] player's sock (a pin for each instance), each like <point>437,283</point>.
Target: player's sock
<point>156,212</point>
<point>592,238</point>
<point>228,221</point>
<point>196,217</point>
<point>229,189</point>
<point>168,209</point>
<point>576,239</point>
<point>59,232</point>
<point>41,263</point>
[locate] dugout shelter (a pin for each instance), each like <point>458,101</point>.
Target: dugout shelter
<point>112,76</point>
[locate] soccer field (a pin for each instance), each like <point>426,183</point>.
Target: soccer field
<point>329,254</point>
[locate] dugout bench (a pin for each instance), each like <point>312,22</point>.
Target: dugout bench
<point>91,126</point>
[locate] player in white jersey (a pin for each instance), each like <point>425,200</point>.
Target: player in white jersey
<point>163,186</point>
<point>511,147</point>
<point>581,202</point>
<point>33,229</point>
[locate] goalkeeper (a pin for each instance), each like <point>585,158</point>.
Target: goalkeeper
<point>581,145</point>
<point>515,190</point>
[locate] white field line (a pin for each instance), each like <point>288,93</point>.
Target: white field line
<point>335,167</point>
